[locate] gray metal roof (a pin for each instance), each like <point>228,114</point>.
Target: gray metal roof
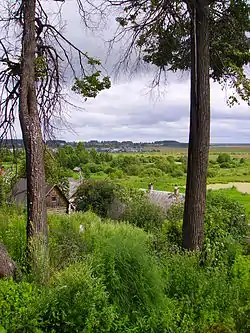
<point>164,199</point>
<point>73,186</point>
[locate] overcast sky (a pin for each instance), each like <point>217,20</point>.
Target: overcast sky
<point>127,111</point>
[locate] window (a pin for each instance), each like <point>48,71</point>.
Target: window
<point>53,199</point>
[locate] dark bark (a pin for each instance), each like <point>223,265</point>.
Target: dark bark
<point>199,135</point>
<point>32,136</point>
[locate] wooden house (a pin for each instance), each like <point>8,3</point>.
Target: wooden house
<point>56,201</point>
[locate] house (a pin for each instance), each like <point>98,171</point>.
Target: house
<point>56,201</point>
<point>164,199</point>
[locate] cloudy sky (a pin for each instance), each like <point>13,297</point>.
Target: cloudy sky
<point>128,111</point>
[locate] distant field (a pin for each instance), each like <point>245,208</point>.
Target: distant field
<point>235,150</point>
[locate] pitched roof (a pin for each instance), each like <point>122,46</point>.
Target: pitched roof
<point>73,186</point>
<point>19,191</point>
<point>163,199</point>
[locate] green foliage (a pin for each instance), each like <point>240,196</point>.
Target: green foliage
<point>151,172</point>
<point>13,233</point>
<point>108,278</point>
<point>65,242</point>
<point>212,172</point>
<point>166,42</point>
<point>18,307</point>
<point>96,195</point>
<point>172,227</point>
<point>144,214</point>
<point>91,85</point>
<point>121,258</point>
<point>225,228</point>
<point>41,68</point>
<point>233,214</point>
<point>223,158</point>
<point>76,302</point>
<point>208,299</point>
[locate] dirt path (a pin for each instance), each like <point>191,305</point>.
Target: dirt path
<point>241,187</point>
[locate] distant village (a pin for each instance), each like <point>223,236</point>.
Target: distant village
<point>105,146</point>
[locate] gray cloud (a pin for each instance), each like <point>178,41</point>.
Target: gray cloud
<point>128,112</point>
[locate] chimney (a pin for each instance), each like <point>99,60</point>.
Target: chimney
<point>150,187</point>
<point>176,190</point>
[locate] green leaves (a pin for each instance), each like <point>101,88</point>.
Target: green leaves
<point>163,37</point>
<point>90,85</point>
<point>40,68</point>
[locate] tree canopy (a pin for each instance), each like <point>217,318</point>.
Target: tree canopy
<point>161,31</point>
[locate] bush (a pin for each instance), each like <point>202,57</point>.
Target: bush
<point>177,172</point>
<point>212,172</point>
<point>207,300</point>
<point>225,227</point>
<point>151,172</point>
<point>76,302</point>
<point>233,214</point>
<point>65,241</point>
<point>226,165</point>
<point>114,283</point>
<point>18,307</point>
<point>172,227</point>
<point>122,259</point>
<point>96,195</point>
<point>223,158</point>
<point>144,214</point>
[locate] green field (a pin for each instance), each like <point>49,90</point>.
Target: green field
<point>165,168</point>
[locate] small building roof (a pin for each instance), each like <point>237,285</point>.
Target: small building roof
<point>73,186</point>
<point>19,191</point>
<point>164,199</point>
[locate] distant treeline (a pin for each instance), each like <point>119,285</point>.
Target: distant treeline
<point>18,143</point>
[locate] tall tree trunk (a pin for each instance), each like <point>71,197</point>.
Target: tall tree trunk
<point>37,230</point>
<point>199,132</point>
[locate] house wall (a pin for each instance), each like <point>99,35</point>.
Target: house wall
<point>56,202</point>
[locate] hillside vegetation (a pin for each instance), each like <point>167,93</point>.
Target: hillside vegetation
<point>110,276</point>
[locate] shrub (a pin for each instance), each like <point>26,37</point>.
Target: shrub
<point>177,172</point>
<point>122,259</point>
<point>117,174</point>
<point>144,214</point>
<point>65,241</point>
<point>207,300</point>
<point>233,214</point>
<point>226,165</point>
<point>18,307</point>
<point>212,172</point>
<point>172,227</point>
<point>225,227</point>
<point>151,172</point>
<point>165,166</point>
<point>96,195</point>
<point>76,302</point>
<point>224,158</point>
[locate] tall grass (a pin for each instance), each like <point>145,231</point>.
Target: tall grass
<point>13,232</point>
<point>106,277</point>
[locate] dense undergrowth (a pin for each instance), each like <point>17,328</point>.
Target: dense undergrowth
<point>116,277</point>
